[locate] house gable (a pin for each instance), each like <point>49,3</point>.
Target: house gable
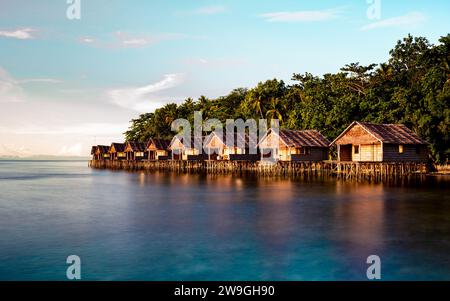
<point>356,134</point>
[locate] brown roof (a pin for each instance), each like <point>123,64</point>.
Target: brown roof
<point>311,138</point>
<point>237,138</point>
<point>388,133</point>
<point>103,149</point>
<point>137,146</point>
<point>181,138</point>
<point>160,144</point>
<point>119,147</point>
<point>93,149</point>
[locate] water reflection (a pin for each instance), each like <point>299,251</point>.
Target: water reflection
<point>359,216</point>
<point>169,226</point>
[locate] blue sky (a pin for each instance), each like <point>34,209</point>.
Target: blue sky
<point>66,84</point>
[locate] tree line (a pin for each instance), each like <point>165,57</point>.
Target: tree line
<point>412,87</point>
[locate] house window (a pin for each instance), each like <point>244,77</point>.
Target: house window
<point>400,149</point>
<point>139,154</point>
<point>356,149</point>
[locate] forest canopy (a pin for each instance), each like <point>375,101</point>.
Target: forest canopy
<point>412,87</point>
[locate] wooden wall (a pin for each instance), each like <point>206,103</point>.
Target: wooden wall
<point>313,154</point>
<point>368,153</point>
<point>385,153</point>
<point>416,153</point>
<point>356,135</point>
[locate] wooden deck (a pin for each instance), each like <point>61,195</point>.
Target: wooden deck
<point>346,170</point>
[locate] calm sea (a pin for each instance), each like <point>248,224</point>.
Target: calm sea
<point>163,226</point>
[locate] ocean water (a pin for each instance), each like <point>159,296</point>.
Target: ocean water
<point>164,226</point>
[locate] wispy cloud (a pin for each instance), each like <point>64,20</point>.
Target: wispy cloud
<point>210,10</point>
<point>15,151</point>
<point>132,41</point>
<point>21,33</point>
<point>302,16</point>
<point>144,99</point>
<point>10,90</point>
<point>87,40</point>
<point>216,63</point>
<point>409,20</point>
<point>67,140</point>
<point>40,80</point>
<point>204,10</point>
<point>98,128</point>
<point>122,39</point>
<point>71,150</point>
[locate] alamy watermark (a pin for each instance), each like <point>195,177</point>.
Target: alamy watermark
<point>374,10</point>
<point>73,272</point>
<point>73,11</point>
<point>236,134</point>
<point>374,270</point>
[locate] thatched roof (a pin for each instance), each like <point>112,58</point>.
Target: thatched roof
<point>311,138</point>
<point>118,147</point>
<point>181,139</point>
<point>238,137</point>
<point>297,138</point>
<point>103,149</point>
<point>160,144</point>
<point>387,133</point>
<point>136,146</point>
<point>93,149</point>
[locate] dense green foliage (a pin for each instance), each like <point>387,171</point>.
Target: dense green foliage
<point>412,88</point>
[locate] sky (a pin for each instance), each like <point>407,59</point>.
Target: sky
<point>67,83</point>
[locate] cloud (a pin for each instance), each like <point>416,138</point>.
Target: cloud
<point>15,151</point>
<point>122,39</point>
<point>21,34</point>
<point>72,150</point>
<point>40,80</point>
<point>145,98</point>
<point>210,10</point>
<point>87,40</point>
<point>10,90</point>
<point>127,40</point>
<point>216,63</point>
<point>301,16</point>
<point>96,128</point>
<point>405,21</point>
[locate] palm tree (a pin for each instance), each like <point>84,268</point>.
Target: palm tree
<point>385,71</point>
<point>256,102</point>
<point>275,109</point>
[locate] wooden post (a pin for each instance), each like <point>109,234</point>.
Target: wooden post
<point>339,152</point>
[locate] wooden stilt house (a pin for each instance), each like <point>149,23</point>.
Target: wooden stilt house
<point>185,150</point>
<point>117,151</point>
<point>93,151</point>
<point>102,152</point>
<point>232,148</point>
<point>370,142</point>
<point>158,149</point>
<point>136,151</point>
<point>293,145</point>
